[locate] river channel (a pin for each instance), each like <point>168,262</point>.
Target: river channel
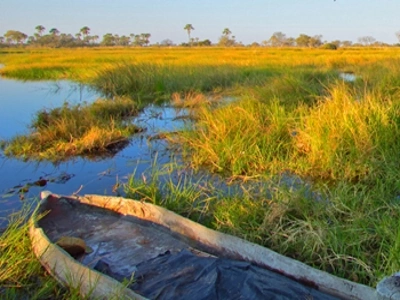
<point>19,103</point>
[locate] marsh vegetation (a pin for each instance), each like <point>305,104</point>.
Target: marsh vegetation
<point>312,158</point>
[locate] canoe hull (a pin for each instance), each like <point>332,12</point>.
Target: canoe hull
<point>97,284</point>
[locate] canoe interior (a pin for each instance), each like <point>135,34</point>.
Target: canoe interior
<point>163,263</point>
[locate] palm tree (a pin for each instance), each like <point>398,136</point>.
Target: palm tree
<point>40,29</point>
<point>188,28</point>
<point>85,31</point>
<point>54,31</point>
<point>226,32</point>
<point>145,38</point>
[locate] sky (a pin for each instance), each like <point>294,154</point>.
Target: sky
<point>248,20</point>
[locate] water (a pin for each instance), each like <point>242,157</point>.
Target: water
<point>23,181</point>
<point>348,77</point>
<point>20,101</point>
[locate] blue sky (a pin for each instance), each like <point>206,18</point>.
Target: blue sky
<point>249,21</point>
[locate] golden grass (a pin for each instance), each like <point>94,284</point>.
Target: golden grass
<point>83,64</point>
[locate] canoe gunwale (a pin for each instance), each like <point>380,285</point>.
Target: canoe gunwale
<point>69,272</point>
<point>209,240</point>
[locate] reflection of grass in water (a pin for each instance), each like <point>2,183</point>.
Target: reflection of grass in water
<point>95,129</point>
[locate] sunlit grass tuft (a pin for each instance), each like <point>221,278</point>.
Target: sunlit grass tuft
<point>100,128</point>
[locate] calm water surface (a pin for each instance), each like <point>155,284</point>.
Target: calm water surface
<point>20,100</point>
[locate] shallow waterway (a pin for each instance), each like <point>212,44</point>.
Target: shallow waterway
<point>23,181</point>
<point>21,100</point>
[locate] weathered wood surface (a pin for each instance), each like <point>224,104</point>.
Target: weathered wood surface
<point>67,270</point>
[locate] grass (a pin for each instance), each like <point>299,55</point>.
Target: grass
<point>90,130</point>
<point>349,231</point>
<point>344,135</point>
<point>21,275</point>
<point>292,117</point>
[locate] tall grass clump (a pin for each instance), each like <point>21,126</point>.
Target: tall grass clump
<point>293,86</point>
<point>348,136</point>
<point>246,137</point>
<point>21,274</point>
<point>345,135</point>
<point>174,188</point>
<point>159,81</point>
<point>96,129</point>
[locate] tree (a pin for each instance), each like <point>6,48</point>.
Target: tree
<point>137,41</point>
<point>145,38</point>
<point>108,40</point>
<point>303,40</point>
<point>167,43</point>
<point>315,41</point>
<point>206,42</point>
<point>54,31</point>
<point>278,39</point>
<point>398,35</point>
<point>346,43</point>
<point>124,40</point>
<point>15,36</point>
<point>85,32</point>
<point>188,28</point>
<point>226,32</point>
<point>366,40</point>
<point>225,40</point>
<point>40,29</point>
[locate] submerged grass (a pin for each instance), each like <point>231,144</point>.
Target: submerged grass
<point>100,128</point>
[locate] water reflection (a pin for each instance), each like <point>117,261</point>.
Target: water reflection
<point>20,101</point>
<point>348,77</point>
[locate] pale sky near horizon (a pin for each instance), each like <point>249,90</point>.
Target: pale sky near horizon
<point>249,21</point>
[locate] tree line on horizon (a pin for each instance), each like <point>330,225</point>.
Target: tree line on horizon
<point>55,39</point>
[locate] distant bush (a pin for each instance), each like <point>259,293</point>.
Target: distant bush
<point>329,46</point>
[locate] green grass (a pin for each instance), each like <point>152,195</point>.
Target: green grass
<point>291,115</point>
<point>21,274</point>
<point>100,128</point>
<point>152,81</point>
<point>344,135</point>
<point>351,231</point>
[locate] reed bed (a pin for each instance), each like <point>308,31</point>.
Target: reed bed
<point>84,63</point>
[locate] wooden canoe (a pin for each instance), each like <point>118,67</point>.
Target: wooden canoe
<point>124,234</point>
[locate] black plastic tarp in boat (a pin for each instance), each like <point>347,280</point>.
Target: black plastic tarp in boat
<point>184,275</point>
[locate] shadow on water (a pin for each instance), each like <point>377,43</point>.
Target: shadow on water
<point>97,175</point>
